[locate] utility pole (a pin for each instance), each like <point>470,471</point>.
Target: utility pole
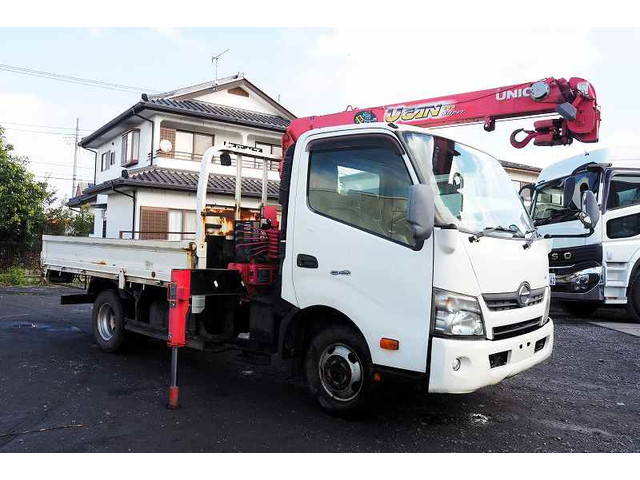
<point>75,159</point>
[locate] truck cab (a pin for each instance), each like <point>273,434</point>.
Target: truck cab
<point>592,265</point>
<point>423,244</point>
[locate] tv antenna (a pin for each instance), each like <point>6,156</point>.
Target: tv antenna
<point>215,58</point>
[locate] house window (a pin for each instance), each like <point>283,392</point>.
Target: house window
<point>130,148</point>
<point>107,159</point>
<point>191,145</point>
<point>104,161</point>
<point>154,223</point>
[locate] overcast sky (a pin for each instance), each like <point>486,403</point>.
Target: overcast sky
<point>313,71</point>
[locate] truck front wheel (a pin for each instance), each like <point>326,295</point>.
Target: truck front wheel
<point>633,298</point>
<point>338,370</point>
<point>108,321</point>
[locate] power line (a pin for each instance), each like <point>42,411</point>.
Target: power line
<point>25,130</point>
<point>47,177</point>
<point>43,126</point>
<point>58,164</point>
<point>75,80</point>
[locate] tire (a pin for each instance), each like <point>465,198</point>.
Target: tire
<point>580,309</point>
<point>633,298</point>
<point>107,320</point>
<point>339,371</point>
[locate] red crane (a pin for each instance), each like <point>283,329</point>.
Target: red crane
<point>574,100</point>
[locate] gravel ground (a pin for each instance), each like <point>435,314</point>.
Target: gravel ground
<point>58,392</point>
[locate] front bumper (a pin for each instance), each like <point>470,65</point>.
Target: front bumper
<point>475,369</point>
<point>568,287</point>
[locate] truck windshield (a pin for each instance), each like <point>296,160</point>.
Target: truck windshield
<point>474,191</point>
<point>549,204</point>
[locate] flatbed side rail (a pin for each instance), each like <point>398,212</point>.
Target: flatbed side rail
<point>141,261</point>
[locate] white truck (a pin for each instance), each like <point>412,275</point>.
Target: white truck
<point>400,252</point>
<point>596,262</point>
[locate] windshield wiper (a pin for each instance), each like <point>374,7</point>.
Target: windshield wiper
<point>530,240</point>
<point>557,216</point>
<point>476,236</point>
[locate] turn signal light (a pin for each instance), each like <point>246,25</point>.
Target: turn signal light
<point>389,344</point>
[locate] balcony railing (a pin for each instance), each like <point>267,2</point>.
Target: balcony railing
<point>255,163</point>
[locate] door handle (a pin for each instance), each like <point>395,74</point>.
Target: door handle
<point>306,261</point>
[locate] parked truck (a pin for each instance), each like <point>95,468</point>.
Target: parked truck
<point>589,206</point>
<point>393,251</point>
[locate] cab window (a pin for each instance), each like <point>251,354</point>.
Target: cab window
<point>624,191</point>
<point>361,181</point>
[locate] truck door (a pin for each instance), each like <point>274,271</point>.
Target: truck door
<point>352,246</point>
<point>621,225</point>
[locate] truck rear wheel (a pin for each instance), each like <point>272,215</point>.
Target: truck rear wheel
<point>338,369</point>
<point>108,321</point>
<point>633,298</point>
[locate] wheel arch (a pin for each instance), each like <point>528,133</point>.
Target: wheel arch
<point>299,326</point>
<point>98,285</point>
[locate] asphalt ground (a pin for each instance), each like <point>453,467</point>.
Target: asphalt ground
<point>60,393</point>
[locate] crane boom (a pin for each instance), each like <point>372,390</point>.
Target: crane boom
<point>574,100</point>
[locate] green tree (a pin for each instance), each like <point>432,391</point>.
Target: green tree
<point>22,199</point>
<point>62,220</point>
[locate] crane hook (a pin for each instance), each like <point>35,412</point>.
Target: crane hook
<point>531,134</point>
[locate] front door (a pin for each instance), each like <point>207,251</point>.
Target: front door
<point>352,246</point>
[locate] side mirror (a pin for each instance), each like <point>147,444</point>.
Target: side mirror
<point>420,212</point>
<point>225,159</point>
<point>590,212</point>
<point>526,193</point>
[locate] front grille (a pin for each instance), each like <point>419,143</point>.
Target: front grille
<point>515,329</point>
<point>508,301</point>
<point>567,257</point>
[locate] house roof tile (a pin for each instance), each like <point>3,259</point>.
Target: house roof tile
<point>179,180</point>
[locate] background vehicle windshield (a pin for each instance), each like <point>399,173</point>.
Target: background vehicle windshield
<point>549,204</point>
<point>474,191</point>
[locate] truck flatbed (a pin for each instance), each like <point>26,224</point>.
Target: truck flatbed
<point>141,261</point>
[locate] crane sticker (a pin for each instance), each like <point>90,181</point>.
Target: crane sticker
<point>419,112</point>
<point>365,116</point>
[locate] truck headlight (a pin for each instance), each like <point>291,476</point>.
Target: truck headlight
<point>584,280</point>
<point>456,314</point>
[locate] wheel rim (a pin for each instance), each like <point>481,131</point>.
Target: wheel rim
<point>106,322</point>
<point>340,372</point>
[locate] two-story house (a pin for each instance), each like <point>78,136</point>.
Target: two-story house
<point>148,157</point>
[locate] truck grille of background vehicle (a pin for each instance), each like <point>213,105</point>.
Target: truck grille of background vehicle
<point>509,301</point>
<point>514,329</point>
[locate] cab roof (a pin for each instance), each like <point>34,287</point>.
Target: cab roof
<point>624,157</point>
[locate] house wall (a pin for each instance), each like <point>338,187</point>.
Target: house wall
<point>222,133</point>
<point>120,210</point>
<point>521,177</point>
<point>114,144</point>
